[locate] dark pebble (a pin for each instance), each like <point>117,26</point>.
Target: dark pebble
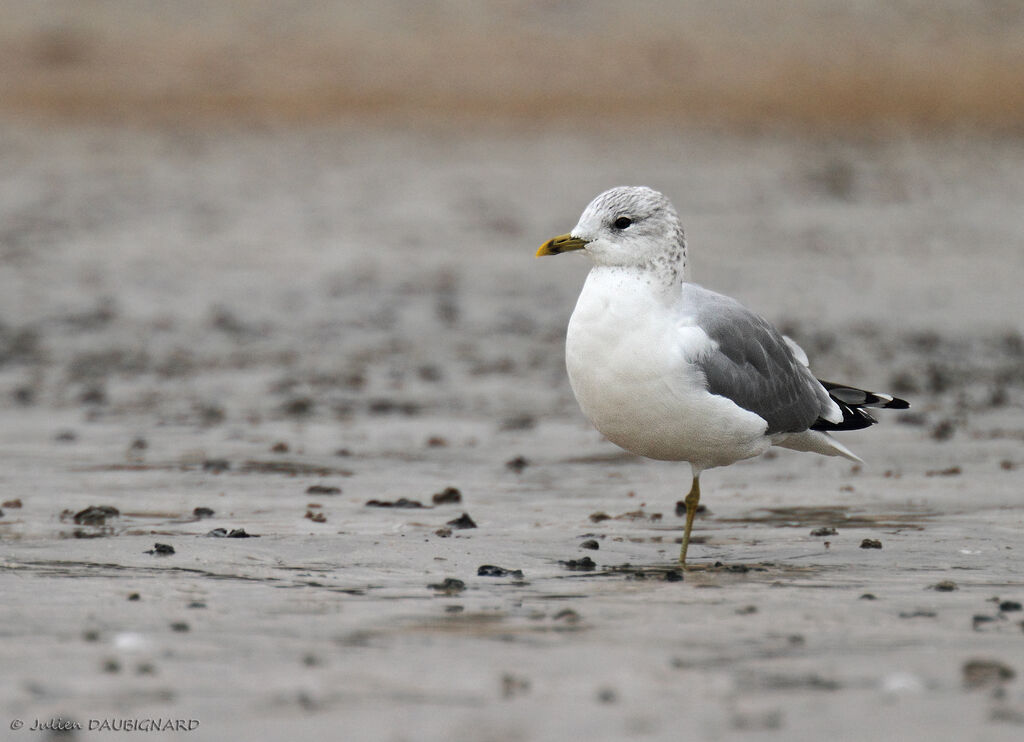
<point>673,575</point>
<point>161,550</point>
<point>239,533</point>
<point>447,496</point>
<point>443,532</point>
<point>681,508</point>
<point>1010,605</point>
<point>450,586</point>
<point>179,626</point>
<point>590,544</point>
<point>96,515</point>
<point>825,531</point>
<point>490,570</point>
<point>868,596</point>
<point>12,504</point>
<point>747,610</point>
<point>322,489</point>
<point>979,620</point>
<point>982,673</point>
<point>917,614</point>
<point>66,436</point>
<point>202,512</point>
<point>568,615</point>
<point>598,517</point>
<point>196,604</point>
<point>739,569</point>
<point>217,533</point>
<point>401,502</point>
<point>463,521</point>
<point>280,447</point>
<point>139,444</point>
<point>945,586</point>
<point>216,465</point>
<point>586,564</point>
<point>134,596</point>
<point>316,517</point>
<point>871,543</point>
<point>517,464</point>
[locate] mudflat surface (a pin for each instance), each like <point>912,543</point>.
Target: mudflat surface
<point>227,319</point>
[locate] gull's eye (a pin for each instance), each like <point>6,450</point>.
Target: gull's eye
<point>622,222</point>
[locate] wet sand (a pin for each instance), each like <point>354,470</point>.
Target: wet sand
<point>225,319</point>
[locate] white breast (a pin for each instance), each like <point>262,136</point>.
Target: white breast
<point>630,352</point>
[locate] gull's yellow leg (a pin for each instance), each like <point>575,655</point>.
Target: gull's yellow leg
<point>691,501</point>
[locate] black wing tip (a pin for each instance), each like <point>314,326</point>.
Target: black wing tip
<point>851,402</point>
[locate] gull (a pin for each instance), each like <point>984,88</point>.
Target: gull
<point>672,371</point>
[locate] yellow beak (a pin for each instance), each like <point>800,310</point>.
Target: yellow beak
<point>561,243</point>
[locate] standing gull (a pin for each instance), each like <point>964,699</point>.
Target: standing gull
<point>669,370</point>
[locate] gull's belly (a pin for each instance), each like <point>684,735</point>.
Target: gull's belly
<point>637,383</point>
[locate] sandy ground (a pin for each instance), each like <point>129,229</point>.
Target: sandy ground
<point>225,319</point>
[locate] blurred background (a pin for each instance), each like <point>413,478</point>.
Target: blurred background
<point>210,185</point>
<point>826,64</point>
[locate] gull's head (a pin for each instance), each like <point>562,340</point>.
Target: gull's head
<point>630,226</point>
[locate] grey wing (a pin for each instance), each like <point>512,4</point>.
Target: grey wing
<point>754,367</point>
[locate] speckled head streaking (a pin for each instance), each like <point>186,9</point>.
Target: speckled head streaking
<point>628,226</point>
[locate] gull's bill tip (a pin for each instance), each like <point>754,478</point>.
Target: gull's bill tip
<point>561,243</point>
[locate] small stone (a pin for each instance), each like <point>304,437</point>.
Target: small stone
<point>161,550</point>
<point>868,596</point>
<point>568,615</point>
<point>746,610</point>
<point>322,489</point>
<point>490,570</point>
<point>871,543</point>
<point>450,586</point>
<point>443,532</point>
<point>447,496</point>
<point>217,533</point>
<point>279,447</point>
<point>463,521</point>
<point>202,512</point>
<point>12,504</point>
<point>316,517</point>
<point>216,465</point>
<point>401,502</point>
<point>986,673</point>
<point>238,533</point>
<point>134,596</point>
<point>598,517</point>
<point>979,620</point>
<point>674,575</point>
<point>1010,605</point>
<point>824,531</point>
<point>945,586</point>
<point>590,544</point>
<point>517,464</point>
<point>96,515</point>
<point>179,626</point>
<point>586,564</point>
